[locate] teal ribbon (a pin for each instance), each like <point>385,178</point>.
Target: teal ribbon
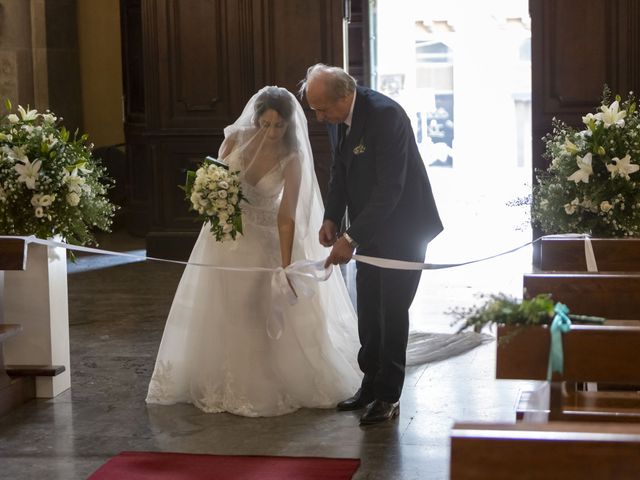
<point>560,324</point>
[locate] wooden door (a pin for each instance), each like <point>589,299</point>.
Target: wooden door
<point>577,47</point>
<point>189,68</point>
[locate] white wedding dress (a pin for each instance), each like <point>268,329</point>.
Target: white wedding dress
<point>216,352</point>
<point>219,351</point>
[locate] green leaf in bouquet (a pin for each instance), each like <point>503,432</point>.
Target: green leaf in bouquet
<point>237,223</point>
<point>188,184</point>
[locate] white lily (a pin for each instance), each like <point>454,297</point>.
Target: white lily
<point>623,167</point>
<point>27,115</point>
<point>570,147</point>
<point>82,167</point>
<point>611,115</point>
<point>17,154</point>
<point>588,118</point>
<point>584,169</point>
<point>50,141</point>
<point>13,118</point>
<point>73,181</point>
<point>28,173</point>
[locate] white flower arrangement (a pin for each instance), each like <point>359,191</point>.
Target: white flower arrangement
<point>592,184</point>
<point>214,192</point>
<point>50,184</point>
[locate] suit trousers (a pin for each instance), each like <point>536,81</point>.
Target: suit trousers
<point>383,300</point>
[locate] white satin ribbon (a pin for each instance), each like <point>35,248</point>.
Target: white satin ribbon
<point>298,275</point>
<point>305,266</point>
<point>589,255</point>
<point>288,286</point>
<point>404,265</point>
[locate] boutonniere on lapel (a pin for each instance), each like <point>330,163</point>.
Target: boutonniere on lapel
<point>360,148</point>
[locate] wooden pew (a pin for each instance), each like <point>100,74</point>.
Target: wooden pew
<point>557,450</point>
<point>17,382</point>
<point>604,354</point>
<point>13,254</point>
<point>609,295</point>
<point>611,292</point>
<point>563,254</point>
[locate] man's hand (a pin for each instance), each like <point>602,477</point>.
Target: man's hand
<point>341,252</point>
<point>328,233</point>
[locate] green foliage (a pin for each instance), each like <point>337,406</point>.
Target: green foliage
<point>50,185</point>
<point>502,309</point>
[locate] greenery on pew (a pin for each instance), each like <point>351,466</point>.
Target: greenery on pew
<point>501,309</point>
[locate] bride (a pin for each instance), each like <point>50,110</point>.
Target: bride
<point>219,350</point>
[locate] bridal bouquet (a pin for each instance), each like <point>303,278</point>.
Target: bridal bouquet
<point>592,185</point>
<point>214,193</point>
<point>49,182</point>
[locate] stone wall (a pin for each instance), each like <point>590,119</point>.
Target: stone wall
<point>39,63</point>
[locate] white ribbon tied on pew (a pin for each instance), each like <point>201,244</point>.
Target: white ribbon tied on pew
<point>589,255</point>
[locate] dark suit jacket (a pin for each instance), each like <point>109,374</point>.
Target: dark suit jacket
<point>380,178</point>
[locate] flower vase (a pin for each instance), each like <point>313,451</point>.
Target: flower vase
<point>36,298</point>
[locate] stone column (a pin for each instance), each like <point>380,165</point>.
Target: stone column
<point>39,60</point>
<point>16,52</point>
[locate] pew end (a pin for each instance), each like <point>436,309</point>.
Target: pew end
<point>592,353</point>
<point>13,254</point>
<point>541,451</point>
<point>608,295</point>
<point>565,254</point>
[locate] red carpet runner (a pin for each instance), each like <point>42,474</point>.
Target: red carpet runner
<point>185,466</point>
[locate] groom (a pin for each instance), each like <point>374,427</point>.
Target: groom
<point>378,177</point>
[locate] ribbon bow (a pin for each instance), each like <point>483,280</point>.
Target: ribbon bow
<point>288,286</point>
<point>561,324</point>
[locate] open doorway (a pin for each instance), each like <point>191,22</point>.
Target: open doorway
<point>462,71</point>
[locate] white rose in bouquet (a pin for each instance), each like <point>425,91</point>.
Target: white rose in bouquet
<point>214,192</point>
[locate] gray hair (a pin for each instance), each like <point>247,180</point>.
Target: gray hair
<point>338,82</point>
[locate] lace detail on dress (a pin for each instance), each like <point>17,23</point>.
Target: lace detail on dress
<point>260,210</point>
<point>162,386</point>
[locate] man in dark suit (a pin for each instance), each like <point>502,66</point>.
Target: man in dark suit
<point>379,179</point>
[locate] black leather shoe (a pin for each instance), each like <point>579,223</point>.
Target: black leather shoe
<point>380,411</point>
<point>360,400</point>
